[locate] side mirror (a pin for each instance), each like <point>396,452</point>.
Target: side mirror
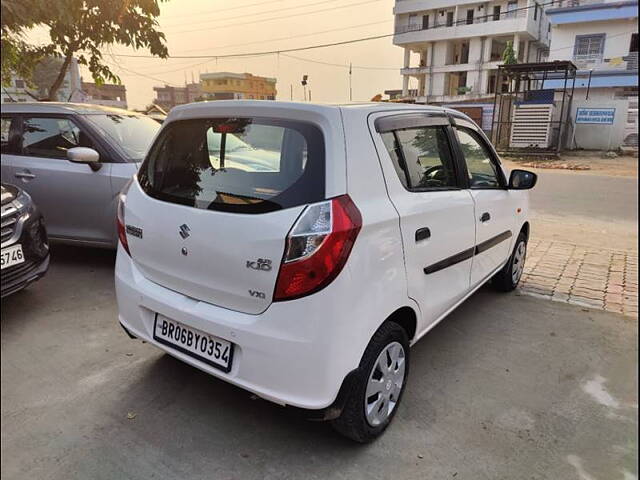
<point>84,155</point>
<point>522,180</point>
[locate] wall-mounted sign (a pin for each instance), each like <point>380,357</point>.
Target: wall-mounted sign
<point>601,116</point>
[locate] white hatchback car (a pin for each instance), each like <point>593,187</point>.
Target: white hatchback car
<point>298,250</point>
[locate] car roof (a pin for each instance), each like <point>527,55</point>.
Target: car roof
<point>199,109</point>
<point>63,107</point>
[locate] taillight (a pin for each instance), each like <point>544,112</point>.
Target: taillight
<point>317,247</point>
<point>122,232</point>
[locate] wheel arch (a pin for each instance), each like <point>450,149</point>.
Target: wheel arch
<point>525,229</point>
<point>407,318</point>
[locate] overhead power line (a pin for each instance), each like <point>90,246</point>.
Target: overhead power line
<point>199,14</point>
<point>277,18</point>
<point>216,20</point>
<point>270,52</point>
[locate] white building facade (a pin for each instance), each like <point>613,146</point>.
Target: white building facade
<point>452,49</point>
<point>601,39</point>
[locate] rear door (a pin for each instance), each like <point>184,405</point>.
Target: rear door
<point>494,206</point>
<point>436,214</point>
<point>214,202</point>
<point>75,200</point>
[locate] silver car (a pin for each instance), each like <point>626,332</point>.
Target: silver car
<point>73,160</point>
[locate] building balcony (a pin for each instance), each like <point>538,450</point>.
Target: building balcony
<point>509,23</point>
<point>410,6</point>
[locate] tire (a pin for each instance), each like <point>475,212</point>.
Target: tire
<point>354,422</point>
<point>507,279</point>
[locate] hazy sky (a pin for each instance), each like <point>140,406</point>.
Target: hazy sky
<point>219,27</point>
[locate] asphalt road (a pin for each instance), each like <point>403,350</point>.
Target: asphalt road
<point>506,387</point>
<point>600,197</point>
<point>585,208</point>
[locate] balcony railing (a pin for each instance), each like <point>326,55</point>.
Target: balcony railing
<point>508,15</point>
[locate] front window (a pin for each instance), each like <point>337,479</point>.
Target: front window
<point>243,165</point>
<point>51,137</point>
<point>131,134</point>
<point>482,171</point>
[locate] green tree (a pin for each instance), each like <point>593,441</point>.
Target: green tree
<point>81,28</point>
<point>509,55</point>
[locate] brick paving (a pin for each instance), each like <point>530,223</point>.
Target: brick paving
<point>592,277</point>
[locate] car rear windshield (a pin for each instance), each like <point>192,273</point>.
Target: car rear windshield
<point>244,165</point>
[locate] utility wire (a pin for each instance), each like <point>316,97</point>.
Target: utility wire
<point>277,18</point>
<point>198,14</point>
<point>323,2</point>
<point>292,37</point>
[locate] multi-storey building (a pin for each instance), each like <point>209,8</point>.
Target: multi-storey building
<point>110,95</point>
<point>227,86</point>
<point>168,97</point>
<point>601,38</point>
<point>452,48</point>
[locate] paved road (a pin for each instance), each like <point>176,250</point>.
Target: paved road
<point>585,209</point>
<point>507,387</point>
<point>566,194</point>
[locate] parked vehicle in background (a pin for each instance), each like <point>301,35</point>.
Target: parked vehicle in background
<point>73,159</point>
<point>24,254</point>
<point>298,250</point>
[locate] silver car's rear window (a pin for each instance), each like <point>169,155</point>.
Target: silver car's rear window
<point>244,165</point>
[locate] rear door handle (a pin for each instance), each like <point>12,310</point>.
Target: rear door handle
<point>485,217</point>
<point>24,175</point>
<point>422,234</point>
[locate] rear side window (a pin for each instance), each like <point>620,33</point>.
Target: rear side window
<point>243,165</point>
<point>422,157</point>
<point>51,137</point>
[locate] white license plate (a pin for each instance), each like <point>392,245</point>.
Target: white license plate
<point>210,349</point>
<point>11,256</point>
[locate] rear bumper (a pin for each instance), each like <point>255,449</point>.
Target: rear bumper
<point>295,353</point>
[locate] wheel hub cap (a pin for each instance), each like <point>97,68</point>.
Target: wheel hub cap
<point>385,384</point>
<point>519,257</point>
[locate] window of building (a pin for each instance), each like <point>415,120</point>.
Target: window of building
<point>496,12</point>
<point>470,16</point>
<point>19,83</point>
<point>422,157</point>
<point>589,46</point>
<point>449,19</point>
<point>511,9</point>
<point>425,22</point>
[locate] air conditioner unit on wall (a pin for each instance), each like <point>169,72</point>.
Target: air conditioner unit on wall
<point>531,126</point>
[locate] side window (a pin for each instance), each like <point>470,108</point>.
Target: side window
<point>422,157</point>
<point>482,171</point>
<point>51,137</point>
<point>7,146</point>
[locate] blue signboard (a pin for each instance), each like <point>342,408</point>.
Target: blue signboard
<point>601,116</point>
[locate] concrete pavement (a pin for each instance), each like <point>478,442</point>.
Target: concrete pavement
<point>509,386</point>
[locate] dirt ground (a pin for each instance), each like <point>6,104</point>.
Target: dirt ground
<point>595,163</point>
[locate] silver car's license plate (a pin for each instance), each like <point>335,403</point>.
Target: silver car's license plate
<point>11,256</point>
<point>212,350</point>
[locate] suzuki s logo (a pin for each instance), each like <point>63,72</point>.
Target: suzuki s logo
<point>184,231</point>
